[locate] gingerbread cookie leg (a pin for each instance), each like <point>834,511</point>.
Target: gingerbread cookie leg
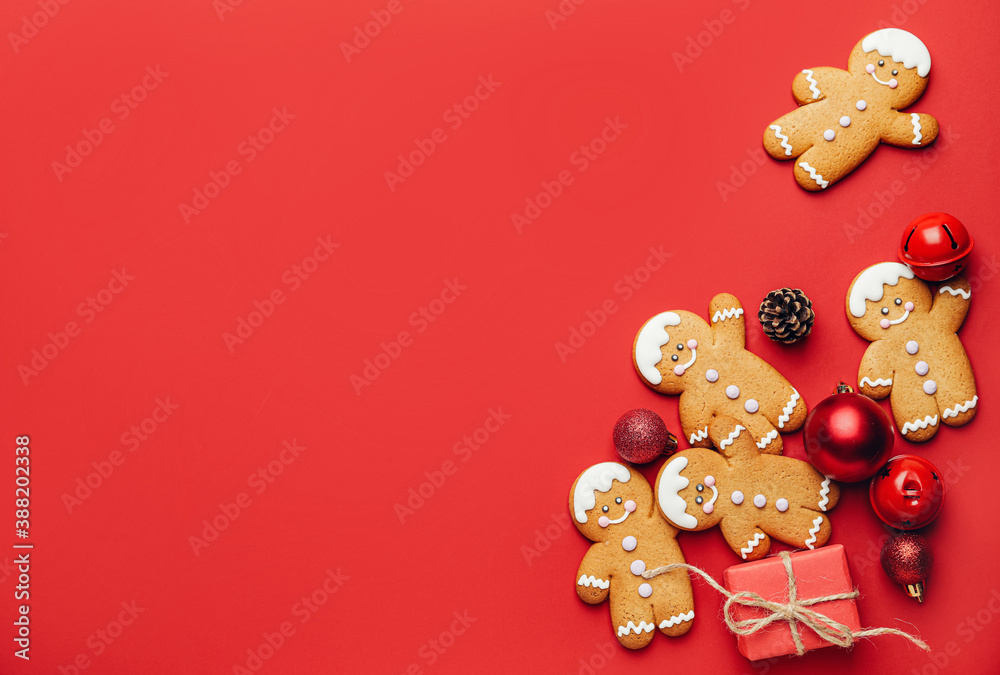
<point>746,539</point>
<point>634,623</point>
<point>764,433</point>
<point>673,602</point>
<point>801,527</point>
<point>956,397</point>
<point>787,137</point>
<point>917,417</point>
<point>823,165</point>
<point>695,418</point>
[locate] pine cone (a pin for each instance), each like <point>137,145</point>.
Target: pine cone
<point>786,315</point>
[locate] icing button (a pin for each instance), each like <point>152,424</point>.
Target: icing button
<point>737,497</point>
<point>760,501</point>
<point>930,386</point>
<point>645,590</point>
<point>781,505</point>
<point>845,121</point>
<point>751,405</point>
<point>638,567</point>
<point>732,391</point>
<point>860,105</point>
<point>829,134</point>
<point>712,375</point>
<point>922,368</point>
<point>912,347</point>
<point>629,543</point>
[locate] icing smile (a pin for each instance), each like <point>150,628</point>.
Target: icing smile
<point>885,323</point>
<point>604,521</point>
<point>892,84</point>
<point>693,346</point>
<point>710,482</point>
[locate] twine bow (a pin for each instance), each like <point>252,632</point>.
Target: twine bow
<point>795,611</point>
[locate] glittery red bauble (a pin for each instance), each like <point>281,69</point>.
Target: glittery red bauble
<point>847,436</point>
<point>907,560</point>
<point>907,492</point>
<point>641,436</point>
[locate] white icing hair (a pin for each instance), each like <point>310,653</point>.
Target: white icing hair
<point>652,336</point>
<point>671,503</point>
<point>901,46</point>
<point>870,284</point>
<point>597,477</point>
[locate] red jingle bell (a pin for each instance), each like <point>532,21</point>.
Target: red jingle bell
<point>847,436</point>
<point>936,246</point>
<point>907,492</point>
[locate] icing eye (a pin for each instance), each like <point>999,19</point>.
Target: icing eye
<point>881,63</point>
<point>898,301</point>
<point>700,487</point>
<point>885,310</point>
<point>673,357</point>
<point>605,509</point>
<point>699,499</point>
<point>618,500</point>
<point>680,347</point>
<point>895,72</point>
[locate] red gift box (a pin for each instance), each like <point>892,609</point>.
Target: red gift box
<point>819,573</point>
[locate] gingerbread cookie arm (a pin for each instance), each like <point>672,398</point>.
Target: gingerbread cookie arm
<point>726,316</point>
<point>746,539</point>
<point>812,84</point>
<point>695,418</point>
<point>593,579</point>
<point>801,527</point>
<point>951,303</point>
<point>874,379</point>
<point>910,130</point>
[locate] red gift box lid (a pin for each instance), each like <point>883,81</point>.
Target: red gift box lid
<point>817,573</point>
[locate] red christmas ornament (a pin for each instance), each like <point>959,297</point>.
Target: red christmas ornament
<point>936,246</point>
<point>907,560</point>
<point>907,492</point>
<point>641,436</point>
<point>847,436</point>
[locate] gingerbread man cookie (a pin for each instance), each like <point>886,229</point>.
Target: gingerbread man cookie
<point>708,365</point>
<point>846,114</point>
<point>915,356</point>
<point>750,495</point>
<point>613,507</point>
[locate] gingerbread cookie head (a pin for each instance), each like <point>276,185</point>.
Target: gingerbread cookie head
<point>667,346</point>
<point>896,62</point>
<point>686,490</point>
<point>604,496</point>
<point>886,298</point>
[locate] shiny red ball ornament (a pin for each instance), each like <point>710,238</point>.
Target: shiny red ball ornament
<point>641,436</point>
<point>936,246</point>
<point>907,560</point>
<point>907,492</point>
<point>847,436</point>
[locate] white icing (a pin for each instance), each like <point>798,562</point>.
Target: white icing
<point>922,368</point>
<point>960,408</point>
<point>906,314</point>
<point>766,440</point>
<point>752,544</point>
<point>813,84</point>
<point>886,83</point>
<point>733,392</point>
<point>643,627</point>
<point>912,347</point>
<point>861,105</point>
<point>813,531</point>
<point>786,412</point>
<point>917,136</point>
<point>727,314</point>
<point>928,421</point>
<point>845,121</point>
<point>674,620</point>
<point>815,176</point>
<point>783,138</point>
<point>680,370</point>
<point>870,284</point>
<point>671,503</point>
<point>592,581</point>
<point>829,134</point>
<point>597,477</point>
<point>733,435</point>
<point>956,291</point>
<point>877,382</point>
<point>930,387</point>
<point>707,508</point>
<point>900,46</point>
<point>824,493</point>
<point>645,590</point>
<point>712,375</point>
<point>647,346</point>
<point>620,520</point>
<point>699,435</point>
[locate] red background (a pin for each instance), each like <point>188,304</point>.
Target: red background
<point>468,548</point>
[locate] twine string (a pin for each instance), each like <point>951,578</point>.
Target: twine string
<point>795,611</point>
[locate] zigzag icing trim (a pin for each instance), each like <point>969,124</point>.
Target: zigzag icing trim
<point>727,313</point>
<point>960,408</point>
<point>824,493</point>
<point>877,382</point>
<point>732,437</point>
<point>956,291</point>
<point>786,413</point>
<point>812,83</point>
<point>643,627</point>
<point>674,620</point>
<point>915,118</point>
<point>815,176</point>
<point>784,139</point>
<point>591,580</point>
<point>813,531</point>
<point>766,441</point>
<point>752,544</point>
<point>928,421</point>
<point>699,435</point>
